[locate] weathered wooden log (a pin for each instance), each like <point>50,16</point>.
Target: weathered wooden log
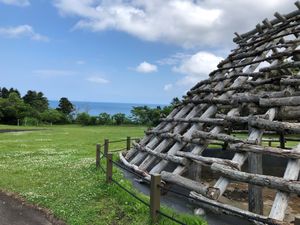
<point>207,160</point>
<point>147,138</point>
<point>240,158</point>
<point>228,209</point>
<point>187,183</point>
<point>198,120</point>
<point>278,152</point>
<point>290,81</point>
<point>286,65</point>
<point>281,200</point>
<point>289,112</point>
<point>221,137</point>
<point>172,158</point>
<point>286,101</point>
<point>208,101</point>
<point>258,179</point>
<point>286,127</point>
<point>134,167</point>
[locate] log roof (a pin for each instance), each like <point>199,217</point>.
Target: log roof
<point>255,88</point>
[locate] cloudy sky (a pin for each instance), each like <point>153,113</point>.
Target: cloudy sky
<point>120,50</point>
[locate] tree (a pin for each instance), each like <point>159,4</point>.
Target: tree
<point>104,118</point>
<point>119,118</point>
<point>83,118</point>
<point>4,93</point>
<point>65,106</point>
<point>51,116</point>
<point>13,109</point>
<point>36,100</point>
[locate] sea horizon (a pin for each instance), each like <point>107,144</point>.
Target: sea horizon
<point>95,108</point>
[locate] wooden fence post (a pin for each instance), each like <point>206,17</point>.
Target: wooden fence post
<point>106,146</point>
<point>282,140</point>
<point>297,220</point>
<point>128,145</point>
<point>109,167</point>
<point>255,198</point>
<point>98,146</point>
<point>155,197</point>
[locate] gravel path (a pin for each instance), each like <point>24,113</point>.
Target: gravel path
<point>15,212</point>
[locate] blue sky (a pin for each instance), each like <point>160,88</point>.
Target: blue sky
<point>120,51</point>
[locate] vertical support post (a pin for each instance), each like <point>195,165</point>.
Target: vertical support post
<point>282,140</point>
<point>128,143</point>
<point>109,167</point>
<point>270,143</point>
<point>297,220</point>
<point>255,198</point>
<point>106,146</point>
<point>98,146</point>
<point>155,197</point>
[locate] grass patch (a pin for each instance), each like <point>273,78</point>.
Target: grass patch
<point>54,168</point>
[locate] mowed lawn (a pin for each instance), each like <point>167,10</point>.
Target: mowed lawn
<point>55,168</point>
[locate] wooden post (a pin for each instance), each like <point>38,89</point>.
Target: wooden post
<point>155,197</point>
<point>255,199</point>
<point>109,167</point>
<point>270,143</point>
<point>297,220</point>
<point>128,146</point>
<point>106,146</point>
<point>98,146</point>
<point>282,140</point>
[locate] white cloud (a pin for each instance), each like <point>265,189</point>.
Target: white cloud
<point>46,73</point>
<point>97,80</point>
<point>146,67</point>
<point>21,3</point>
<point>197,67</point>
<point>22,31</point>
<point>80,62</point>
<point>168,87</point>
<point>186,23</point>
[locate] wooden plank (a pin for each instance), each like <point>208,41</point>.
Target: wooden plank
<point>281,200</point>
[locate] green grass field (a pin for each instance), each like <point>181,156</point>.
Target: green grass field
<point>55,168</point>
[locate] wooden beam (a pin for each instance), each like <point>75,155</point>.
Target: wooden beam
<point>281,200</point>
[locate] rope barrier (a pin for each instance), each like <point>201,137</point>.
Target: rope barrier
<point>170,217</point>
<point>130,193</point>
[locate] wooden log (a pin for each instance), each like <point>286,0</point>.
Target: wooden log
<point>258,179</point>
<point>187,183</point>
<point>249,34</point>
<point>221,137</point>
<point>255,198</point>
<point>290,81</point>
<point>207,160</point>
<point>228,209</point>
<point>172,158</point>
<point>286,101</point>
<point>154,141</point>
<point>186,137</point>
<point>285,127</point>
<point>288,112</point>
<point>286,65</point>
<point>281,200</point>
<point>278,152</point>
<point>134,167</point>
<point>254,136</point>
<point>210,121</point>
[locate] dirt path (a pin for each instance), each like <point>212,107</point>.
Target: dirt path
<point>14,211</point>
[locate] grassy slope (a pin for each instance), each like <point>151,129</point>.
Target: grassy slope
<point>55,169</point>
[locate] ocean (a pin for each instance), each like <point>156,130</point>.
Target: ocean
<point>95,108</point>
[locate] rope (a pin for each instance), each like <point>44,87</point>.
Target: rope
<point>170,217</point>
<point>130,193</point>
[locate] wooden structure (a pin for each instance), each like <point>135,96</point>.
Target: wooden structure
<point>256,88</point>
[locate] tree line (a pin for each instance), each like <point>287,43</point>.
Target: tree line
<point>33,109</point>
